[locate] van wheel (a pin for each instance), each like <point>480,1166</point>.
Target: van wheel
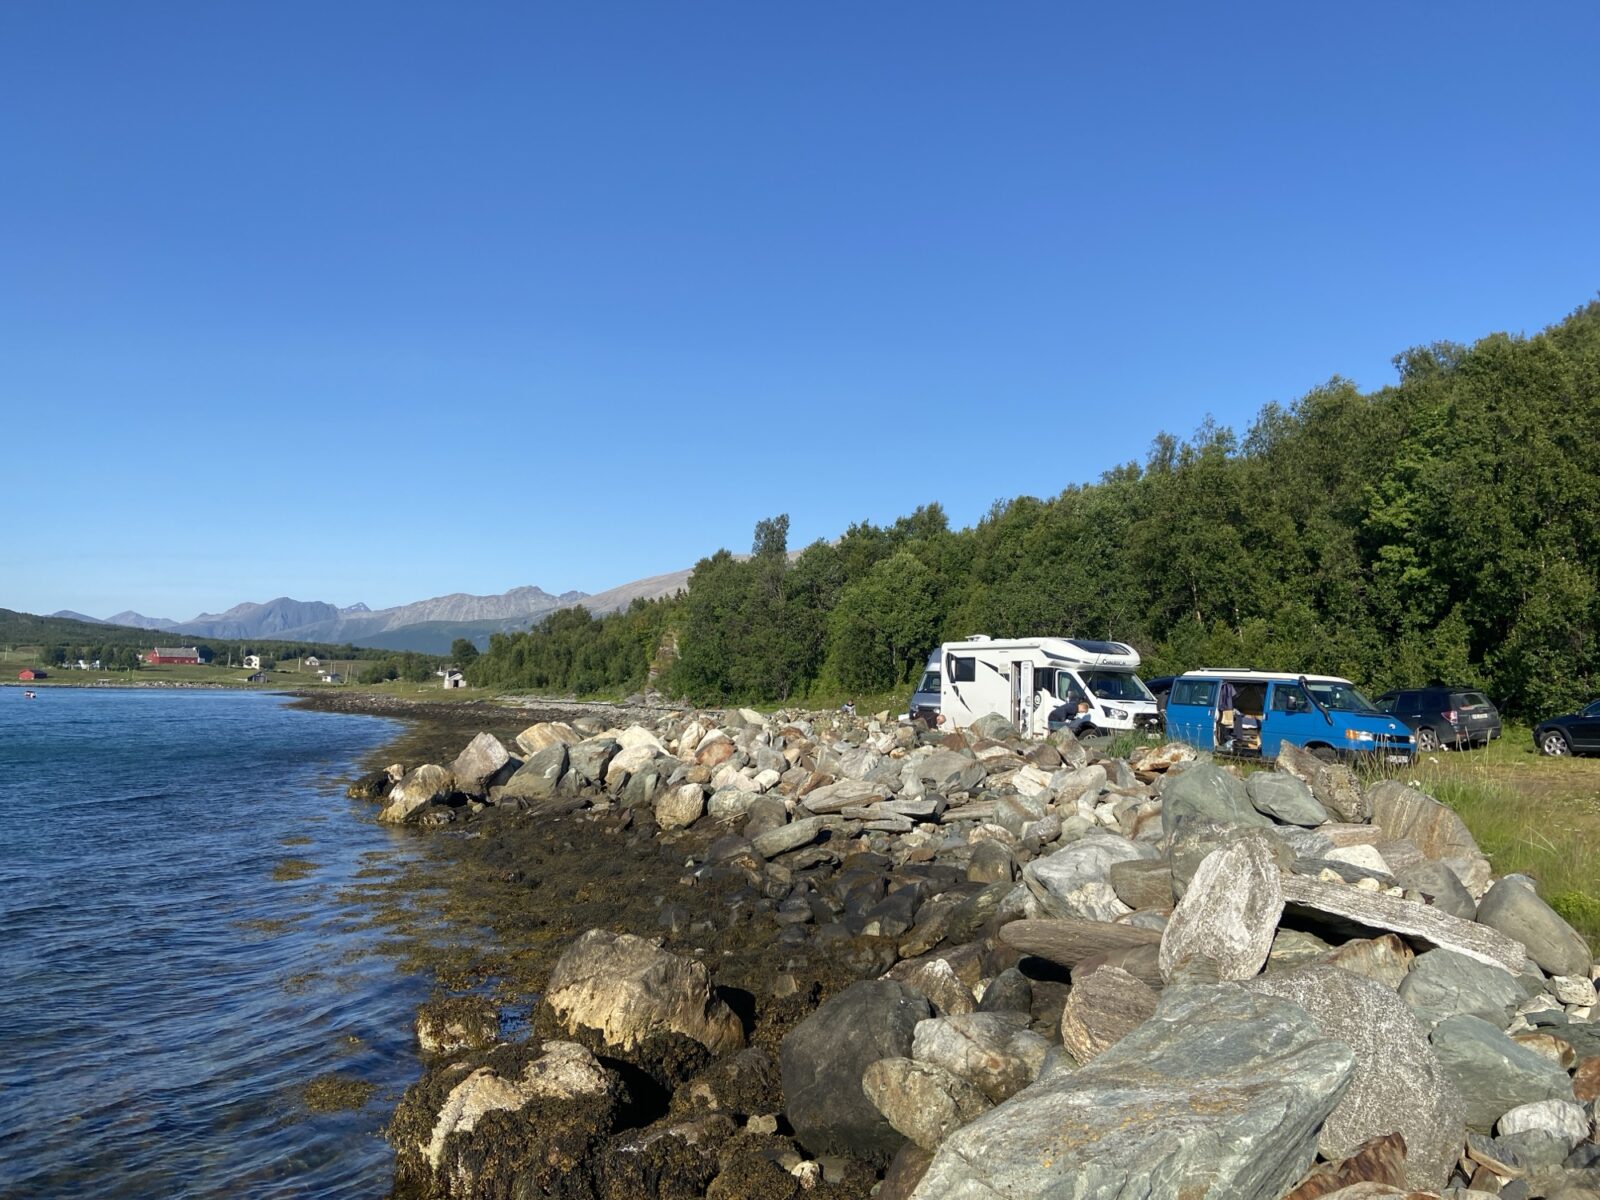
<point>1554,743</point>
<point>1427,741</point>
<point>1325,754</point>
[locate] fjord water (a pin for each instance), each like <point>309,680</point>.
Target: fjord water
<point>169,979</point>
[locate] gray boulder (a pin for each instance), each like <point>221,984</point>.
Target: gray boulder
<point>993,725</point>
<point>924,1102</point>
<point>775,841</point>
<point>482,764</point>
<point>1284,798</point>
<point>1515,909</point>
<point>1492,1072</point>
<point>825,1057</point>
<point>1229,913</point>
<point>1398,1084</point>
<point>1443,984</point>
<point>415,791</point>
<point>1442,887</point>
<point>1075,881</point>
<point>1205,792</point>
<point>1404,813</point>
<point>1220,1094</point>
<point>540,776</point>
<point>630,990</point>
<point>589,759</point>
<point>1333,784</point>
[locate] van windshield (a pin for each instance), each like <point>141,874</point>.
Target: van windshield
<point>1116,685</point>
<point>930,682</point>
<point>1341,697</point>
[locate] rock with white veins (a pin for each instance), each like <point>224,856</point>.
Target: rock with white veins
<point>1229,914</point>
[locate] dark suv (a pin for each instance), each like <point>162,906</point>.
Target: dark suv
<point>1576,733</point>
<point>1442,716</point>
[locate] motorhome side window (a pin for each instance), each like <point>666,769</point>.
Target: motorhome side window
<point>963,670</point>
<point>1193,691</point>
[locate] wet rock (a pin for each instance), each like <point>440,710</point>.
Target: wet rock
<point>675,1159</point>
<point>540,1129</point>
<point>1206,793</point>
<point>457,1023</point>
<point>1074,882</point>
<point>629,990</point>
<point>745,1084</point>
<point>825,1056</point>
<point>1398,1084</point>
<point>680,807</point>
<point>1405,917</point>
<point>1281,796</point>
<point>1443,984</point>
<point>1228,915</point>
<point>1492,1072</point>
<point>996,1052</point>
<point>1220,1094</point>
<point>374,785</point>
<point>425,785</point>
<point>1102,1009</point>
<point>924,1102</point>
<point>1515,909</point>
<point>540,776</point>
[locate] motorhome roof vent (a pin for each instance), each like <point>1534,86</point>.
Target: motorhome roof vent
<point>978,637</point>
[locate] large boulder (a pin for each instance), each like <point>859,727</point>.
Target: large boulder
<point>1075,881</point>
<point>630,989</point>
<point>1103,1008</point>
<point>589,759</point>
<point>1440,885</point>
<point>681,806</point>
<point>419,788</point>
<point>1334,785</point>
<point>924,1102</point>
<point>540,776</point>
<point>1279,795</point>
<point>546,733</point>
<point>1220,1094</point>
<point>1205,792</point>
<point>1515,909</point>
<point>1443,984</point>
<point>993,725</point>
<point>483,763</point>
<point>1398,1084</point>
<point>825,1056</point>
<point>1229,913</point>
<point>1494,1073</point>
<point>1405,814</point>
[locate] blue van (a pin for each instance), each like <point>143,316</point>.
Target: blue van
<point>1252,713</point>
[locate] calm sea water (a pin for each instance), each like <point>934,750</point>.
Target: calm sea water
<point>164,999</point>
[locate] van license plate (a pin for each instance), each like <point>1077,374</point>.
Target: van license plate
<point>1397,758</point>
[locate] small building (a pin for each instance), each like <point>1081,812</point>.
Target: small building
<point>454,679</point>
<point>180,655</point>
<point>256,677</point>
<point>83,665</point>
<point>313,661</point>
<point>28,674</point>
<point>252,662</point>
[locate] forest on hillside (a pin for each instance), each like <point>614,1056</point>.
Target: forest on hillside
<point>1441,528</point>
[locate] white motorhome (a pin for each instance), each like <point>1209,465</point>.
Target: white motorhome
<point>1039,684</point>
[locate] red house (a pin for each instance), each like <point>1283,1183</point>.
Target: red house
<point>187,655</point>
<point>29,673</point>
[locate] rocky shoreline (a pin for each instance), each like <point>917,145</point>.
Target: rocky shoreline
<point>810,954</point>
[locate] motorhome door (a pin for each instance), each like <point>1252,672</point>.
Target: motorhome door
<point>1022,696</point>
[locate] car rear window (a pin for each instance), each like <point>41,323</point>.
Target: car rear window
<point>1471,700</point>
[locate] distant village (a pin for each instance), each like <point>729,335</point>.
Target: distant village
<point>257,666</point>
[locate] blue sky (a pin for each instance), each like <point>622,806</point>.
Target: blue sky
<point>375,301</point>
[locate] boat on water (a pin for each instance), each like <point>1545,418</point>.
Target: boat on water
<point>28,695</point>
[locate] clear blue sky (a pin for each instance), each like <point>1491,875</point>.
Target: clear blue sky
<point>375,301</point>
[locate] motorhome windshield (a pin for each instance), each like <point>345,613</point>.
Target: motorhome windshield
<point>1116,685</point>
<point>1340,697</point>
<point>930,682</point>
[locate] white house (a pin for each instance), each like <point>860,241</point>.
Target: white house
<point>252,662</point>
<point>454,679</point>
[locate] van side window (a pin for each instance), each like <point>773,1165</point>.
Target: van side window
<point>1290,698</point>
<point>1193,691</point>
<point>963,670</point>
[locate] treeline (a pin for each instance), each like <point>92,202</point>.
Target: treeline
<point>1442,528</point>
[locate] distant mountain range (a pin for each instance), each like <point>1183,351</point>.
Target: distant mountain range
<point>426,625</point>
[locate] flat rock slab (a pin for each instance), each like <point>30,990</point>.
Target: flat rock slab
<point>1229,913</point>
<point>1407,918</point>
<point>1398,1085</point>
<point>1068,942</point>
<point>1219,1096</point>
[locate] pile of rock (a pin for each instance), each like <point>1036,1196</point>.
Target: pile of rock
<point>1082,976</point>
